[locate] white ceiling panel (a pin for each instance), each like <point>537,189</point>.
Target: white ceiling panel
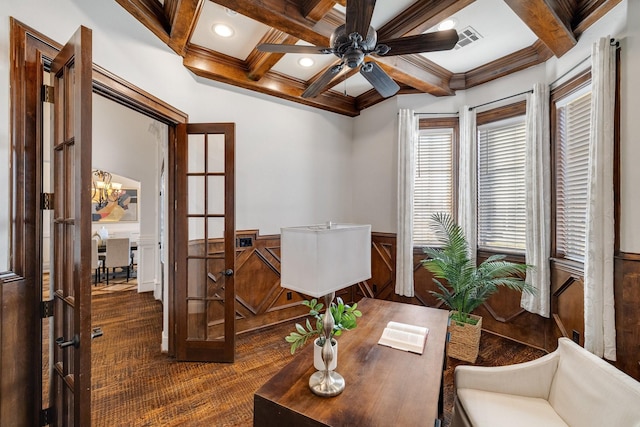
<point>247,32</point>
<point>355,85</point>
<point>289,65</point>
<point>501,33</point>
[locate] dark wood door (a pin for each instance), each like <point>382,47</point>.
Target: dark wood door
<point>71,71</point>
<point>205,242</point>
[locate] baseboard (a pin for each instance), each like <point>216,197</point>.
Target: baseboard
<point>164,345</point>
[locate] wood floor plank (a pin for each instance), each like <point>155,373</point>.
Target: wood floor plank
<point>134,384</point>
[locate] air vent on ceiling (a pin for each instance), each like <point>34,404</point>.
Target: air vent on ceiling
<point>466,37</point>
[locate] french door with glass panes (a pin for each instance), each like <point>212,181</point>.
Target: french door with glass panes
<point>205,242</point>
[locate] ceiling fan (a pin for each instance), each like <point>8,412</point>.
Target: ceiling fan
<point>353,41</point>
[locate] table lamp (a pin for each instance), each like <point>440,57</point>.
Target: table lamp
<point>317,261</point>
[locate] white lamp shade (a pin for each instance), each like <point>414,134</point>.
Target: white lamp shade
<point>317,260</point>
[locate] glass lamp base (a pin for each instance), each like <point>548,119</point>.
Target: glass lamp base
<point>324,386</point>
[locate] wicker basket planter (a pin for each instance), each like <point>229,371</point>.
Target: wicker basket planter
<point>464,340</point>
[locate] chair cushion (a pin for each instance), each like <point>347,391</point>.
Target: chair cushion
<point>588,392</point>
<point>488,409</point>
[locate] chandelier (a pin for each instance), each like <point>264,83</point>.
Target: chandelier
<point>103,190</point>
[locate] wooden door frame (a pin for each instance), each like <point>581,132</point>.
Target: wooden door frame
<point>30,52</point>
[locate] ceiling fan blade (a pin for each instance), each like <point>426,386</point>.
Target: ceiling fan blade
<point>379,79</point>
<point>429,42</point>
<point>359,13</point>
<point>292,48</point>
<point>316,87</point>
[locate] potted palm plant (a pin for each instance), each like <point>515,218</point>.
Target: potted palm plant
<point>345,318</point>
<point>467,285</point>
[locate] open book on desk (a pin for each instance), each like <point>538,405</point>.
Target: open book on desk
<point>404,337</point>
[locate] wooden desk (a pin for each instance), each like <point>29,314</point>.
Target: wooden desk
<point>384,386</point>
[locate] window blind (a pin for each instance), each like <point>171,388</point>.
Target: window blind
<point>433,190</point>
<point>501,185</point>
<point>573,131</point>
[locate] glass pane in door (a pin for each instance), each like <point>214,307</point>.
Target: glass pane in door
<point>215,153</point>
<point>205,212</point>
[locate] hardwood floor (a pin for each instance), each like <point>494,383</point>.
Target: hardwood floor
<point>134,384</point>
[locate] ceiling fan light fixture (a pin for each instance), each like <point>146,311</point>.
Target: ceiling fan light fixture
<point>306,62</point>
<point>353,58</point>
<point>223,30</point>
<point>447,24</point>
<point>354,40</point>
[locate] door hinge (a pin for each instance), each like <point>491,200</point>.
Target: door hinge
<point>175,266</point>
<point>46,309</point>
<point>47,94</point>
<point>46,416</point>
<point>46,201</point>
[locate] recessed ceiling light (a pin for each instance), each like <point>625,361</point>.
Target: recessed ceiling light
<point>223,30</point>
<point>230,12</point>
<point>447,24</point>
<point>305,62</point>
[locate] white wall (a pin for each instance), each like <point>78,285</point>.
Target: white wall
<point>124,146</point>
<point>126,143</point>
<point>292,162</point>
<point>375,158</point>
<point>375,151</point>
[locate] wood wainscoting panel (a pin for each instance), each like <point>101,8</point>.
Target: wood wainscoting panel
<point>261,301</point>
<point>383,268</point>
<point>568,312</point>
<point>423,283</point>
<point>567,305</point>
<point>627,302</point>
<point>502,315</point>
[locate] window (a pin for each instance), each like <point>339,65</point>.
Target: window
<point>434,180</point>
<point>501,185</point>
<point>572,120</point>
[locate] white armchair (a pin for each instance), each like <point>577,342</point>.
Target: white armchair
<point>569,387</point>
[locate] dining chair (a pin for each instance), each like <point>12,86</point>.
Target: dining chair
<point>96,262</point>
<point>117,255</point>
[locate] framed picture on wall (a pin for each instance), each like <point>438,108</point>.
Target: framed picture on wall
<point>124,208</point>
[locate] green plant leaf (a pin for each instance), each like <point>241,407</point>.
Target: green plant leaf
<point>466,285</point>
<point>345,318</point>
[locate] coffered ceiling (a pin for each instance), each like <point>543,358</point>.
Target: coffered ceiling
<point>497,37</point>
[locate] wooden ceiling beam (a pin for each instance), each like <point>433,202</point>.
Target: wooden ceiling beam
<point>535,54</point>
<point>420,16</point>
<point>417,72</point>
<point>151,14</point>
<point>550,20</point>
<point>232,71</point>
<point>343,75</point>
<point>590,12</point>
<point>260,63</point>
<point>183,18</point>
<point>316,9</point>
<point>279,14</point>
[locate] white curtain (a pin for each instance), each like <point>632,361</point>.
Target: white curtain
<point>407,137</point>
<point>538,201</point>
<point>599,311</point>
<point>467,179</point>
